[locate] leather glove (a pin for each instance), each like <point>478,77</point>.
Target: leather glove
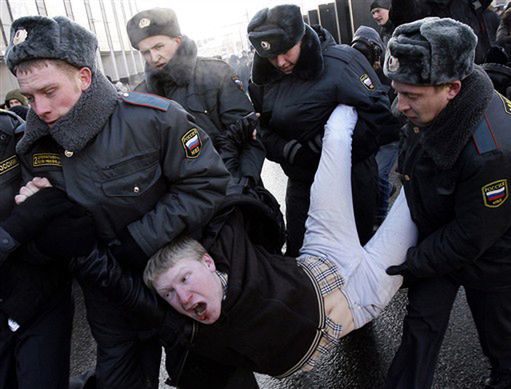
<point>242,129</point>
<point>299,155</point>
<point>28,218</point>
<point>127,252</point>
<point>69,235</point>
<point>404,270</point>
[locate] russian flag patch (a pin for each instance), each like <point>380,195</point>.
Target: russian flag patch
<point>495,193</point>
<point>192,143</point>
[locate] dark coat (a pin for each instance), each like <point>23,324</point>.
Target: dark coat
<point>210,90</point>
<point>450,169</point>
<point>26,286</point>
<point>297,106</point>
<point>465,11</point>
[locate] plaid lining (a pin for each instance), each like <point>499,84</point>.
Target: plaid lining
<point>329,279</point>
<point>223,279</point>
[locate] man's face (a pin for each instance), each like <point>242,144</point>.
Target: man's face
<point>13,102</point>
<point>193,289</point>
<point>422,104</point>
<point>52,90</point>
<point>380,15</point>
<point>286,62</point>
<point>158,50</point>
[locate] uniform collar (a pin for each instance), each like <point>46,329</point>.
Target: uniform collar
<point>85,120</point>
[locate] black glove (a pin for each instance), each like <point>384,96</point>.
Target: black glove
<point>128,253</point>
<point>69,235</point>
<point>28,218</point>
<point>409,278</point>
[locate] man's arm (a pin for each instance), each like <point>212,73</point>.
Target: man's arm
<point>476,226</point>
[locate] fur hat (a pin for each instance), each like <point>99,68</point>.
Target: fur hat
<point>39,37</point>
<point>156,21</point>
<point>15,94</point>
<point>380,4</point>
<point>274,31</point>
<point>430,51</point>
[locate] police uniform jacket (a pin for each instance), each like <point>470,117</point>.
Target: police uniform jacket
<point>456,175</point>
<point>26,285</point>
<point>140,165</point>
<point>297,106</point>
<point>210,90</point>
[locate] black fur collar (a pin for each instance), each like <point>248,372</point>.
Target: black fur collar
<point>82,123</point>
<point>446,137</point>
<point>310,63</point>
<point>179,71</point>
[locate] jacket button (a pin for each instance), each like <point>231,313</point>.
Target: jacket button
<point>68,153</point>
<point>206,111</point>
<point>416,130</point>
<point>136,189</point>
<point>407,177</point>
<point>3,137</point>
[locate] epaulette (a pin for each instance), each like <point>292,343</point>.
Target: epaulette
<point>484,138</point>
<point>146,100</point>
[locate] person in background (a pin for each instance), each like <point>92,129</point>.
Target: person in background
<point>15,98</point>
<point>380,12</point>
<point>207,88</point>
<point>299,75</point>
<point>455,163</point>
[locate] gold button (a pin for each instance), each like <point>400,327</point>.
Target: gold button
<point>407,177</point>
<point>416,130</point>
<point>68,153</point>
<point>136,189</point>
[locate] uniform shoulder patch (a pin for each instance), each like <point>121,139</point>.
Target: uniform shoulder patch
<point>495,193</point>
<point>507,104</point>
<point>146,100</point>
<point>8,164</point>
<point>192,143</point>
<point>367,82</point>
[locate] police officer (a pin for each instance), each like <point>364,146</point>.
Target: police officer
<point>138,163</point>
<point>455,161</point>
<point>300,75</point>
<point>36,308</point>
<point>207,88</point>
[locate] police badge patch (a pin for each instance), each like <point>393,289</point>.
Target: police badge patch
<point>8,164</point>
<point>192,143</point>
<point>495,193</point>
<point>367,82</point>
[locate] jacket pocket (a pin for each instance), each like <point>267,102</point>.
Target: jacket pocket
<point>134,184</point>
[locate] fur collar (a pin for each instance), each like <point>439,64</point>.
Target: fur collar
<point>310,63</point>
<point>82,123</point>
<point>446,137</point>
<point>179,71</point>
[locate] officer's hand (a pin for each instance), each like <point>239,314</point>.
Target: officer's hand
<point>28,218</point>
<point>127,252</point>
<point>31,188</point>
<point>69,235</point>
<point>245,128</point>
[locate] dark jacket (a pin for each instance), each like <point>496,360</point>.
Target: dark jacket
<point>451,170</point>
<point>210,90</point>
<point>504,32</point>
<point>26,287</point>
<point>469,12</point>
<point>297,106</point>
<point>140,166</point>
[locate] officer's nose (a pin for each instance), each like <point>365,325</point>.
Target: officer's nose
<point>281,60</point>
<point>154,56</point>
<point>402,104</point>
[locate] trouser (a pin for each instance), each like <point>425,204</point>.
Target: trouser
<point>128,355</point>
<point>365,198</point>
<point>429,307</point>
<point>331,233</point>
<point>385,159</point>
<point>38,356</point>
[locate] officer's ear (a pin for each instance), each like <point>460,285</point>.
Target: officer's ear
<point>454,89</point>
<point>85,75</point>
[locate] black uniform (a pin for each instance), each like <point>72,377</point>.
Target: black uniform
<point>147,174</point>
<point>209,89</point>
<point>35,298</point>
<point>294,109</point>
<point>456,175</point>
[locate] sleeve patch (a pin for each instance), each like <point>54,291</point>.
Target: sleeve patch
<point>46,159</point>
<point>495,193</point>
<point>192,143</point>
<point>146,100</point>
<point>367,82</point>
<point>8,164</point>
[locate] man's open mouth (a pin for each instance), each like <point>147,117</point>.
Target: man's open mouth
<point>200,308</point>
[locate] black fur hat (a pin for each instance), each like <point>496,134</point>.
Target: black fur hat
<point>430,51</point>
<point>155,21</point>
<point>274,31</point>
<point>380,4</point>
<point>38,37</point>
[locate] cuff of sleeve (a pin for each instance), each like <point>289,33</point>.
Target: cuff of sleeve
<point>290,150</point>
